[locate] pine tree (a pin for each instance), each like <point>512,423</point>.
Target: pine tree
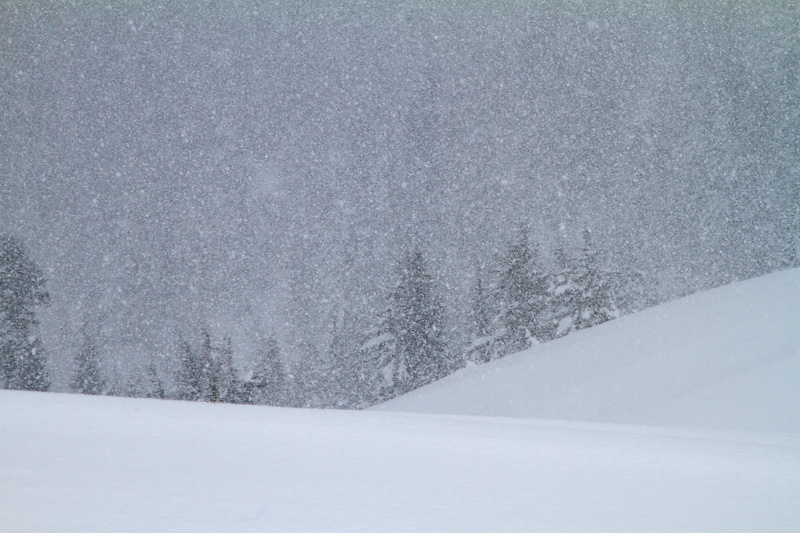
<point>595,302</point>
<point>350,387</point>
<point>193,378</point>
<point>562,298</point>
<point>22,289</point>
<point>88,378</point>
<point>154,388</point>
<point>416,323</point>
<point>224,383</point>
<point>483,340</point>
<point>586,294</point>
<point>207,373</point>
<point>381,370</point>
<point>521,291</point>
<point>146,384</point>
<point>187,377</point>
<point>268,383</point>
<point>311,375</point>
<point>357,378</point>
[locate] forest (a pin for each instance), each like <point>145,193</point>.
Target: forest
<point>330,205</point>
<point>514,305</point>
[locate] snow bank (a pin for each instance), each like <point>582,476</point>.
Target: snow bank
<point>728,358</point>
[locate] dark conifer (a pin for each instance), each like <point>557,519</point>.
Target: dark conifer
<point>521,292</point>
<point>416,323</point>
<point>88,377</point>
<point>22,289</point>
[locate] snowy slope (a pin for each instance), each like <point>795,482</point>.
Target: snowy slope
<point>83,464</point>
<point>728,358</point>
<point>724,359</point>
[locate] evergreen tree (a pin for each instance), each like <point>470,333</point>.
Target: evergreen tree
<point>415,322</point>
<point>562,298</point>
<point>22,289</point>
<point>207,373</point>
<point>188,376</point>
<point>88,378</point>
<point>224,385</point>
<point>268,383</point>
<point>146,384</point>
<point>154,388</point>
<point>595,302</point>
<point>586,294</point>
<point>354,359</point>
<point>381,369</point>
<point>193,376</point>
<point>521,291</point>
<point>483,340</point>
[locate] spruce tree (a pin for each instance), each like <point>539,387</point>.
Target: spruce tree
<point>416,323</point>
<point>483,340</point>
<point>381,369</point>
<point>154,388</point>
<point>521,291</point>
<point>268,383</point>
<point>88,378</point>
<point>146,384</point>
<point>595,304</point>
<point>585,293</point>
<point>224,385</point>
<point>206,373</point>
<point>355,359</point>
<point>22,289</point>
<point>350,387</point>
<point>187,377</point>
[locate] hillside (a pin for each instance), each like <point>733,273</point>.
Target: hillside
<point>728,358</point>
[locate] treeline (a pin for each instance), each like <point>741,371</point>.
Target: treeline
<point>515,304</point>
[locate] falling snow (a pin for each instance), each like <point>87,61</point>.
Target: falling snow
<point>256,171</point>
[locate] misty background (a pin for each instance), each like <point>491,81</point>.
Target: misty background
<point>254,168</point>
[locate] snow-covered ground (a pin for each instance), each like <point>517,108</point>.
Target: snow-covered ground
<point>72,463</point>
<point>727,358</point>
<point>728,463</point>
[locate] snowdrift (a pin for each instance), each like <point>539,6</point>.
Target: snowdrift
<point>728,358</point>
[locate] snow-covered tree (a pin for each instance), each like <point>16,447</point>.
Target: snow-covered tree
<point>350,368</point>
<point>586,293</point>
<point>224,381</point>
<point>153,386</point>
<point>268,383</point>
<point>354,358</point>
<point>382,370</point>
<point>88,377</point>
<point>188,378</point>
<point>207,373</point>
<point>22,289</point>
<point>520,294</point>
<point>415,321</point>
<point>483,346</point>
<point>595,303</point>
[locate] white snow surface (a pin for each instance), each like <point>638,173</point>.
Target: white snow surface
<point>728,358</point>
<point>81,463</point>
<point>72,463</point>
